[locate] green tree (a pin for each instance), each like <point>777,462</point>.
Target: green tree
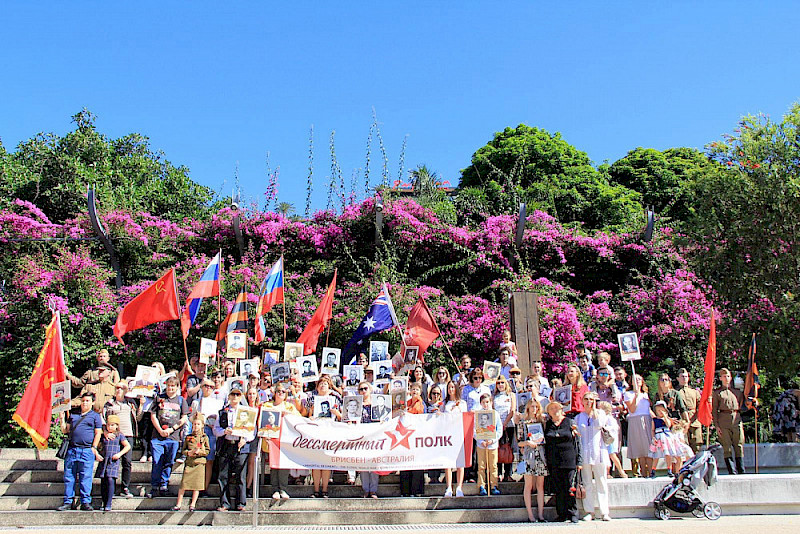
<point>54,172</point>
<point>528,164</point>
<point>745,233</point>
<point>664,179</point>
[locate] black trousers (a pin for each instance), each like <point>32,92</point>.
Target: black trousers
<point>412,482</point>
<point>232,475</point>
<point>126,466</point>
<point>471,472</point>
<point>279,478</point>
<point>107,490</point>
<point>566,505</point>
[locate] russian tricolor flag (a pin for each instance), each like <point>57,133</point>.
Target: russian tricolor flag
<point>271,293</point>
<point>208,286</point>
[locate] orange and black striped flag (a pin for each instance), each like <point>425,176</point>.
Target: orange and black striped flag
<point>751,380</point>
<point>236,319</point>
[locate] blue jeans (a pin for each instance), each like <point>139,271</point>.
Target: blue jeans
<point>78,466</point>
<point>164,451</point>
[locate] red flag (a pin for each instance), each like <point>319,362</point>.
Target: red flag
<point>35,410</point>
<point>704,409</point>
<point>157,303</point>
<point>316,325</point>
<point>421,328</point>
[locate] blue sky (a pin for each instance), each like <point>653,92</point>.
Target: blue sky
<point>214,84</point>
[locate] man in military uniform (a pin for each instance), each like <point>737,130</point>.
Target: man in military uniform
<point>726,404</point>
<point>691,399</point>
<point>100,381</point>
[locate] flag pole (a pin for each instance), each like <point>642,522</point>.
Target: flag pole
<point>440,332</point>
<point>219,295</point>
<point>755,408</point>
<point>285,286</point>
<point>178,304</point>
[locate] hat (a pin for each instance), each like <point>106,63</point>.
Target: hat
<point>236,389</point>
<point>254,373</point>
<point>112,419</point>
<point>105,366</point>
<point>515,370</point>
<point>662,404</point>
<point>121,384</point>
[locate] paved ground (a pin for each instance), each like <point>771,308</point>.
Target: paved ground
<point>774,524</point>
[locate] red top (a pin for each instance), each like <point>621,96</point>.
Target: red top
<point>577,399</point>
<point>415,405</point>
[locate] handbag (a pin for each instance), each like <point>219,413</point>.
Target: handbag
<point>578,489</point>
<point>608,437</point>
<point>504,454</point>
<point>61,453</point>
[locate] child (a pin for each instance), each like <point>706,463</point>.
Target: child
<point>679,431</point>
<point>663,445</point>
<point>487,450</point>
<point>113,446</point>
<point>511,346</point>
<point>613,426</point>
<point>195,449</point>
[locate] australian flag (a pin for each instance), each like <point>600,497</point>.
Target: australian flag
<point>380,317</point>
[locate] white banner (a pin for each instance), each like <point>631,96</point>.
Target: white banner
<point>424,441</point>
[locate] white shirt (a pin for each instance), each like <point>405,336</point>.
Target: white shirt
<point>593,450</point>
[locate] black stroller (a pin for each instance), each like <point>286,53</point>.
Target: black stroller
<point>681,496</point>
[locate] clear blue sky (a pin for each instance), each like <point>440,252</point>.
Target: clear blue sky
<point>216,83</point>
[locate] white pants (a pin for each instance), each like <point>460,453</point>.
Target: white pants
<point>599,487</point>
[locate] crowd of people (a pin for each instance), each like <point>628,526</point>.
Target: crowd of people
<point>569,446</point>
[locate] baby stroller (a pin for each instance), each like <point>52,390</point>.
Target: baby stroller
<point>681,495</point>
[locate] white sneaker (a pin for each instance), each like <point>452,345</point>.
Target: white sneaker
<point>606,517</point>
<point>143,460</point>
<point>459,492</point>
<point>276,496</point>
<point>449,492</point>
<point>285,495</point>
<point>587,517</point>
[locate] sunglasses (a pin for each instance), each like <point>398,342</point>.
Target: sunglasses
<point>477,378</point>
<point>363,389</point>
<point>436,394</point>
<point>442,373</point>
<point>603,374</point>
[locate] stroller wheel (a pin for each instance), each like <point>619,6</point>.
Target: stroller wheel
<point>662,514</point>
<point>712,510</point>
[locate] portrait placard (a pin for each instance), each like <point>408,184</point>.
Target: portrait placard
<point>522,400</point>
<point>292,351</point>
<point>330,361</point>
<point>270,426</point>
<point>60,396</point>
<point>145,381</point>
<point>491,372</point>
<point>353,375</point>
<point>279,372</point>
<point>378,350</point>
<point>563,395</point>
<point>485,425</point>
<point>629,346</point>
<point>351,408</point>
<point>323,405</point>
<point>208,350</point>
<point>237,345</point>
<point>244,421</point>
<point>381,407</point>
<point>246,367</point>
<point>308,368</point>
<point>382,371</point>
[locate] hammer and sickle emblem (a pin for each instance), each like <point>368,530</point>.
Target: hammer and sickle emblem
<point>47,378</point>
<point>160,287</point>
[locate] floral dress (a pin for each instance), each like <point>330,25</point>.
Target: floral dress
<point>535,463</point>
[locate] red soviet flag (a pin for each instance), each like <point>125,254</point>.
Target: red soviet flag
<point>35,409</point>
<point>704,409</point>
<point>421,328</point>
<point>310,336</point>
<point>157,303</point>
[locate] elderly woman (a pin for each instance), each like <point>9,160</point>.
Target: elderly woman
<point>640,425</point>
<point>563,454</point>
<point>595,456</point>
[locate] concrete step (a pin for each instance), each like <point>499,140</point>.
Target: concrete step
<point>347,504</point>
<point>32,490</point>
<point>317,518</point>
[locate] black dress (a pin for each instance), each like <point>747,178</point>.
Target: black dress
<point>563,453</point>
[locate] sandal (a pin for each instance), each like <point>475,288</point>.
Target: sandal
<point>191,508</point>
<point>323,494</point>
<point>176,508</point>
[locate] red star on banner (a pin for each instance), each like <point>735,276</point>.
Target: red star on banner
<point>399,436</point>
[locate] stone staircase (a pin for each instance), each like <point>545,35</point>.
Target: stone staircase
<point>31,489</point>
